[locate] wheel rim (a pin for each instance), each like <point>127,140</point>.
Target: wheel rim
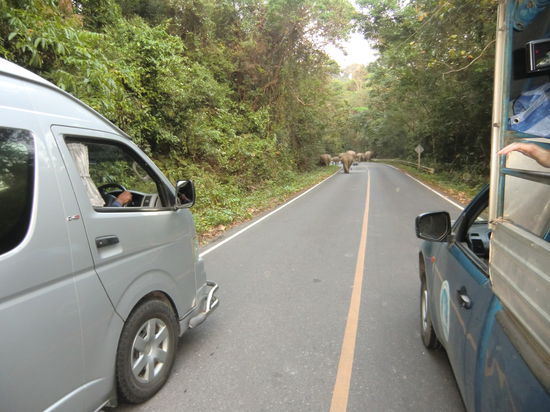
<point>149,350</point>
<point>424,309</point>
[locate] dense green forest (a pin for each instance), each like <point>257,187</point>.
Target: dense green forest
<point>433,81</point>
<point>238,94</point>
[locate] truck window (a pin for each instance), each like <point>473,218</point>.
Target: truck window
<point>525,193</point>
<point>115,177</point>
<point>472,231</point>
<point>478,235</point>
<point>16,186</point>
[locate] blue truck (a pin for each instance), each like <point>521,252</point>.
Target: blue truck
<point>485,278</point>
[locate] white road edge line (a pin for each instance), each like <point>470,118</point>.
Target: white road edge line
<point>428,187</point>
<point>207,251</point>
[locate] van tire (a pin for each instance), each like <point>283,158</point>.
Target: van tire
<point>429,338</point>
<point>150,333</point>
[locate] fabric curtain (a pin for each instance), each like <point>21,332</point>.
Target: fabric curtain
<point>79,153</point>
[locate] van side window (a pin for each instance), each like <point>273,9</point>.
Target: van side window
<point>114,177</point>
<point>16,186</point>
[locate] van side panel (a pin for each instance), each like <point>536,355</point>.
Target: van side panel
<point>100,334</point>
<point>60,319</point>
<point>101,326</point>
<point>41,351</point>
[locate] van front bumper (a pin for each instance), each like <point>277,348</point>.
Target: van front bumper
<point>209,303</point>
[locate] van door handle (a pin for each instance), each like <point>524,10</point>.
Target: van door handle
<point>104,241</point>
<point>463,298</point>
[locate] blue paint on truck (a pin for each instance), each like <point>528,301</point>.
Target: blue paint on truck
<point>490,372</point>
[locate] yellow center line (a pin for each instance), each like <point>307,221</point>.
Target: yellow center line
<point>343,376</point>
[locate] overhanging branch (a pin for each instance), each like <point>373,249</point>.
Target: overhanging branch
<point>472,62</point>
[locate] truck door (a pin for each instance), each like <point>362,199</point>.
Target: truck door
<point>466,293</point>
<point>142,246</point>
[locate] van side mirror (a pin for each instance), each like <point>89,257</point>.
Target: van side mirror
<point>185,194</point>
<point>434,226</point>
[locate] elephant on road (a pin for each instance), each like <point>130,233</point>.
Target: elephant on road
<point>347,160</point>
<point>324,159</point>
<point>352,153</point>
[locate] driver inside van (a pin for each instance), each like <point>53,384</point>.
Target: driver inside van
<point>79,153</point>
<point>121,200</point>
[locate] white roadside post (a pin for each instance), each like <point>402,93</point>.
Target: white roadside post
<point>419,149</point>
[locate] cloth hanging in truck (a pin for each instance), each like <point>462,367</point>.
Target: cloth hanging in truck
<point>525,11</point>
<point>531,112</point>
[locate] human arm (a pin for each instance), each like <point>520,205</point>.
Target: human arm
<point>532,150</point>
<point>122,199</point>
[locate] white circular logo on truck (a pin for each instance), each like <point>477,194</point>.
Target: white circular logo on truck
<point>444,306</point>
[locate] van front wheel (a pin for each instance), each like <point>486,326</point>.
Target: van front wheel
<point>146,351</point>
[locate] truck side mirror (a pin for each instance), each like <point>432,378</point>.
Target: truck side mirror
<point>185,194</point>
<point>434,226</point>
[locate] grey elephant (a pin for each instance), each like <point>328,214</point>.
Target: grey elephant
<point>368,156</point>
<point>347,160</point>
<point>351,152</point>
<point>353,156</point>
<point>324,159</point>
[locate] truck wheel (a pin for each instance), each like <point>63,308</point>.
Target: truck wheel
<point>427,332</point>
<point>146,351</point>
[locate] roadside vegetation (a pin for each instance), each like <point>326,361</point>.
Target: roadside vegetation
<point>432,84</point>
<point>218,210</point>
<point>240,96</point>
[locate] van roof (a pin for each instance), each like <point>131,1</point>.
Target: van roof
<point>13,70</point>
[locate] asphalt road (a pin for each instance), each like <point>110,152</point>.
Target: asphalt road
<point>285,325</point>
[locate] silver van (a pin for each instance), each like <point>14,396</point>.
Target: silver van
<point>99,269</point>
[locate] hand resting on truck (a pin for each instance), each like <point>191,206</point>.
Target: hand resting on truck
<point>532,150</point>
